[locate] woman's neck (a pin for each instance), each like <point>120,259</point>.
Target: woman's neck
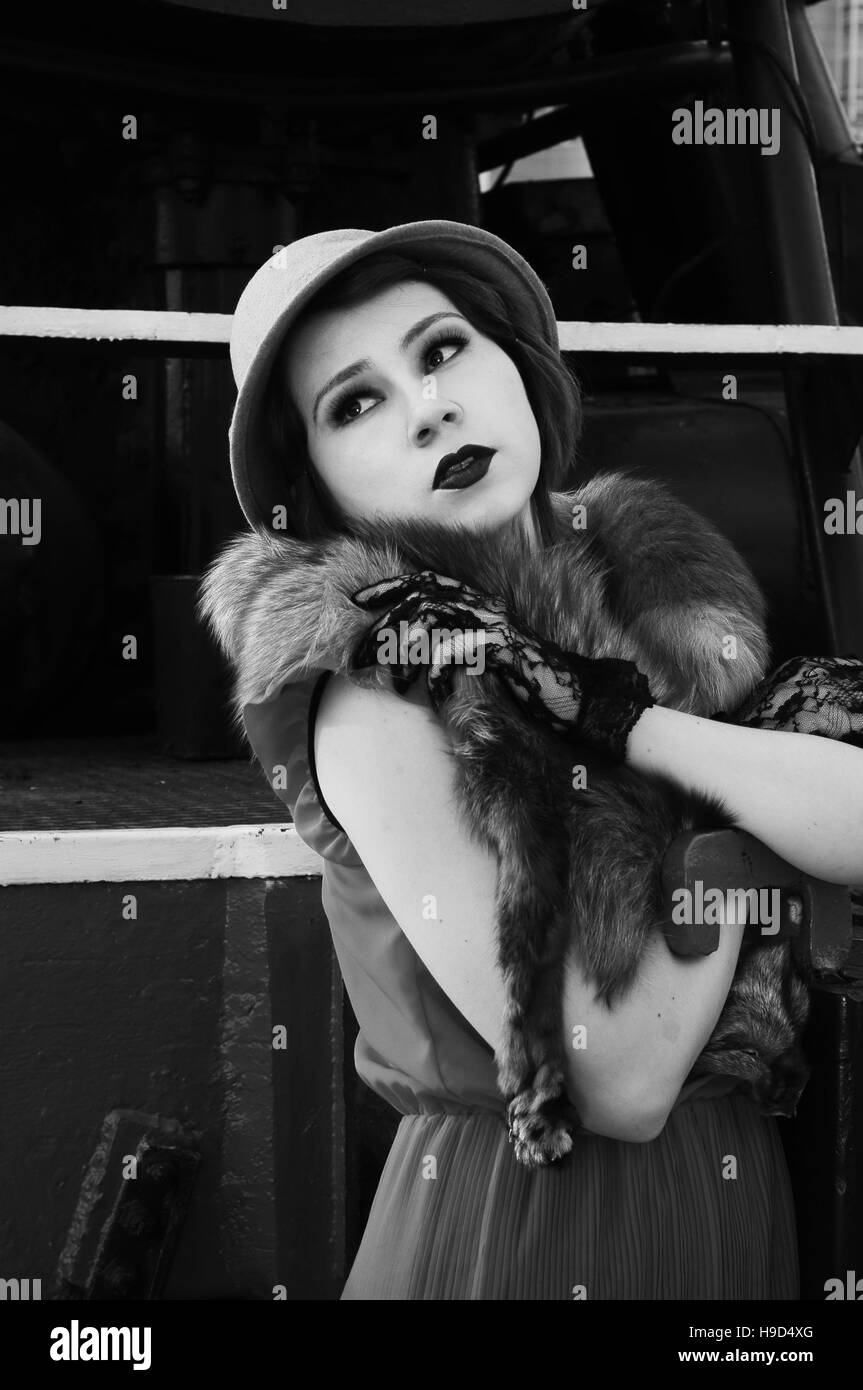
<point>530,529</point>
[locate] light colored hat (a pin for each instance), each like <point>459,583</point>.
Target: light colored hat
<point>282,287</point>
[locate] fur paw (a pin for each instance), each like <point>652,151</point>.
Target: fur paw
<point>513,1064</point>
<point>540,1134</point>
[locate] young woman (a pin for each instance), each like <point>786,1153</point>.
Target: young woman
<point>362,361</point>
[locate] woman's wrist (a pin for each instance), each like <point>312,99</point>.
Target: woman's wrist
<point>657,740</point>
<point>692,751</point>
<point>801,795</point>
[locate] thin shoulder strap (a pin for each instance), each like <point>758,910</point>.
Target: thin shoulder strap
<point>317,692</point>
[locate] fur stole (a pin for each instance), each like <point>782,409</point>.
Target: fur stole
<point>634,573</point>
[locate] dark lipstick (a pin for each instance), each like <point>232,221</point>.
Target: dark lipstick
<point>466,466</point>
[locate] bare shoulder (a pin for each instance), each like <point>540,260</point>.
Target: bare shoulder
<point>342,697</point>
<point>347,708</point>
<point>367,739</point>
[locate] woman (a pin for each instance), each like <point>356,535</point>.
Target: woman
<point>363,361</point>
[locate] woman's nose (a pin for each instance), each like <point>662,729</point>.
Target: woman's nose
<point>429,416</point>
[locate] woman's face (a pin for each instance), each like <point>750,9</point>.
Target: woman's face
<point>388,388</point>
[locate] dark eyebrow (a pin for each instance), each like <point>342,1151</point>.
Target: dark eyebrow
<point>366,365</point>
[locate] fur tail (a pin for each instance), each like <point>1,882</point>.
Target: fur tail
<point>495,750</point>
<point>621,828</point>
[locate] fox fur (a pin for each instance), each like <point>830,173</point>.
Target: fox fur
<point>632,573</point>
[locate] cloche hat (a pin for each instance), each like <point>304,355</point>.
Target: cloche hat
<point>285,284</point>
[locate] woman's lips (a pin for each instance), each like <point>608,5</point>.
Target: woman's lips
<point>466,466</point>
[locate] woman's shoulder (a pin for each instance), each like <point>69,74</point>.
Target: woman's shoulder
<point>371,746</point>
<point>369,706</point>
<point>358,724</point>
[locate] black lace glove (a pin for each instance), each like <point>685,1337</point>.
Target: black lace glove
<point>808,695</point>
<point>820,695</point>
<point>594,702</point>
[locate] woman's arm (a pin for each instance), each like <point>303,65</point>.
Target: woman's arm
<point>801,794</point>
<point>386,770</point>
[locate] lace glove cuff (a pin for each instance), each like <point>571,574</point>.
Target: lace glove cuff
<point>615,695</point>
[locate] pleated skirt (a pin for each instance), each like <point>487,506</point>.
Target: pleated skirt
<point>704,1211</point>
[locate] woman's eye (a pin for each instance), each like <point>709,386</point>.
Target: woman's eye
<point>349,406</point>
<point>344,409</point>
<point>444,349</point>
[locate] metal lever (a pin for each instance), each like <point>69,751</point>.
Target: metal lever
<point>823,920</point>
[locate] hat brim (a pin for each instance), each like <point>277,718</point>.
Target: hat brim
<point>273,299</point>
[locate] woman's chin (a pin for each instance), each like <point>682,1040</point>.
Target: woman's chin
<point>484,506</point>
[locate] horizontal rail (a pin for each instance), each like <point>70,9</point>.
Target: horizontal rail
<point>735,339</point>
<point>139,855</point>
<point>169,326</point>
<point>114,325</point>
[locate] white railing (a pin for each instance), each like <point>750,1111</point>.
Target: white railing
<point>167,326</point>
<point>129,855</point>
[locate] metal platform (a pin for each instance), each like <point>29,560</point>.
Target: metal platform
<point>126,783</point>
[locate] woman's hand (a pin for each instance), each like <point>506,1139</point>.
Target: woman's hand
<point>429,604</point>
<point>592,701</point>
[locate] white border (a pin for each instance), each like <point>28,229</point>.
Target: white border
<point>136,856</point>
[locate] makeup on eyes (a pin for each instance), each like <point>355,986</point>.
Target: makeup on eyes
<point>443,337</point>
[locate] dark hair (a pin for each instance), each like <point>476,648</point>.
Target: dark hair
<point>551,389</point>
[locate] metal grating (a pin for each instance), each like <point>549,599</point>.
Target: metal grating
<point>125,783</point>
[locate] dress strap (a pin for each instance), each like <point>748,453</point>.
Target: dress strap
<point>318,691</point>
